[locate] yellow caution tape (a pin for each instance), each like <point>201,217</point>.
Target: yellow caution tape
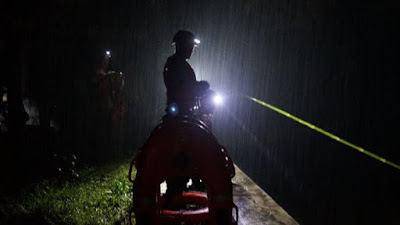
<point>324,132</point>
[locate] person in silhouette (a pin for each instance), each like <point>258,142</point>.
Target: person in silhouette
<point>179,77</point>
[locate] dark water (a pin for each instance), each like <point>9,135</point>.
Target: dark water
<point>332,63</point>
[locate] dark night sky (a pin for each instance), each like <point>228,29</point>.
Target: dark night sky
<point>332,63</point>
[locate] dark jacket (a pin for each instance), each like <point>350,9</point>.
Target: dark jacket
<point>180,81</point>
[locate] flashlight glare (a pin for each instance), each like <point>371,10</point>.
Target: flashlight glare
<point>218,99</point>
<point>108,53</point>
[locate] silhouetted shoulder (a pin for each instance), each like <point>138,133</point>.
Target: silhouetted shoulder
<point>175,60</point>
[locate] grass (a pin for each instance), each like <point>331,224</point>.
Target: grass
<point>100,195</point>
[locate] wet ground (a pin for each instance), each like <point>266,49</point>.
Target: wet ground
<point>256,206</point>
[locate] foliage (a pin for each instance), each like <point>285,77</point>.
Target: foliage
<point>100,195</point>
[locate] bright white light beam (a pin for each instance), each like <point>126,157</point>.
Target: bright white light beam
<point>218,100</point>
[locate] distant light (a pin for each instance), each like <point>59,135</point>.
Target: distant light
<point>163,188</point>
<point>197,41</point>
<point>188,184</point>
<point>173,109</point>
<point>5,97</point>
<point>108,53</point>
<point>218,100</point>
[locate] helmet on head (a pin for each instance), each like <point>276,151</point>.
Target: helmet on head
<point>185,37</point>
